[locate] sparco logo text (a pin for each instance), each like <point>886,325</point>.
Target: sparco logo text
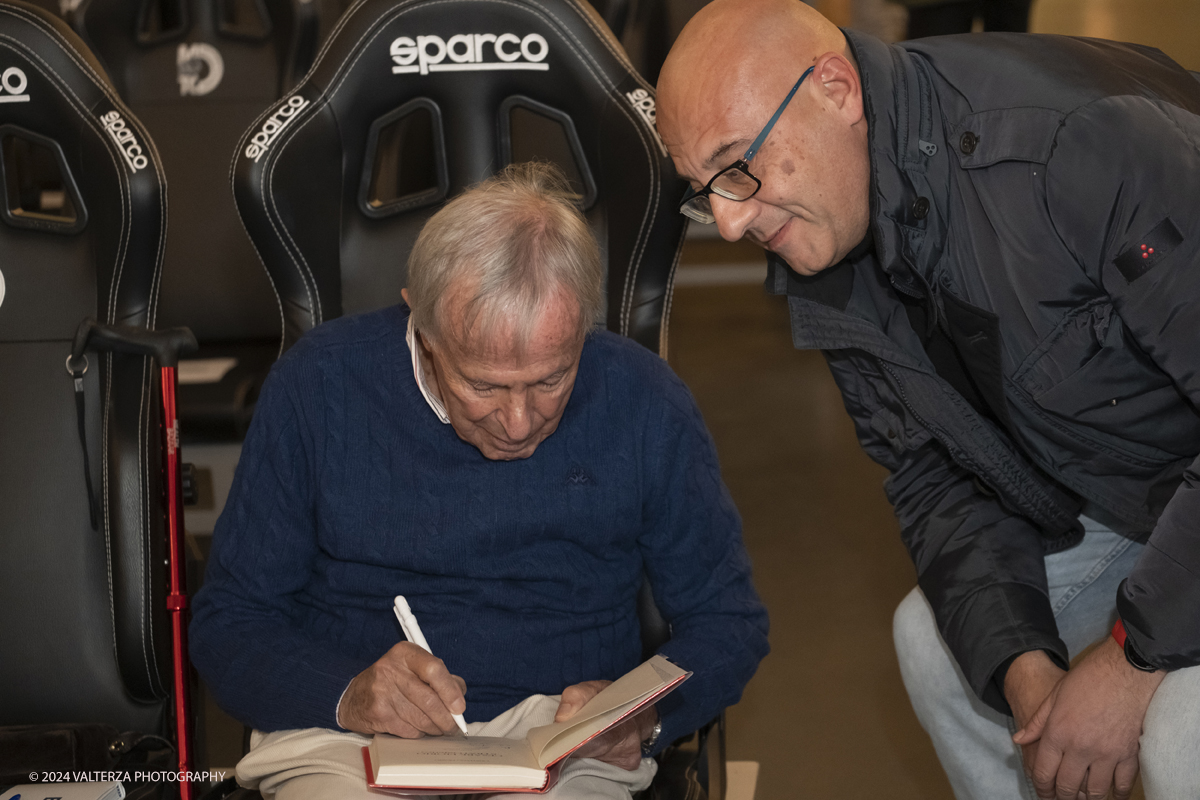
<point>643,102</point>
<point>120,133</point>
<point>275,123</point>
<point>469,52</point>
<point>12,86</point>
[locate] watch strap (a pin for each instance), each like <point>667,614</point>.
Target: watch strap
<point>1134,658</point>
<point>648,744</point>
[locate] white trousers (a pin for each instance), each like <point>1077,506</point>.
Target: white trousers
<point>322,764</point>
<point>973,741</point>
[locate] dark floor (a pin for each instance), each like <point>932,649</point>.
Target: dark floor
<point>826,716</point>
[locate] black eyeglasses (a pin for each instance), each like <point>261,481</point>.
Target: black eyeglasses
<point>735,181</point>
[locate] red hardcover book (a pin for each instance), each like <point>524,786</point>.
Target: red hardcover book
<point>477,764</point>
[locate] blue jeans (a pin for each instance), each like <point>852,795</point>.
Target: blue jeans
<point>974,742</point>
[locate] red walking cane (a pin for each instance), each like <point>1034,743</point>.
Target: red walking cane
<point>165,347</point>
<point>177,599</point>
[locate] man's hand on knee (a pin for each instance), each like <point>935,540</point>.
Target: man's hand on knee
<point>621,746</point>
<point>1089,727</point>
<point>408,693</point>
<point>1027,684</point>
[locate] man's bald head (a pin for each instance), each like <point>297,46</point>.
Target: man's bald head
<point>732,43</point>
<point>729,70</point>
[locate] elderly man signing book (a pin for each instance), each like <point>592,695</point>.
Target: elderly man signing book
<point>508,468</point>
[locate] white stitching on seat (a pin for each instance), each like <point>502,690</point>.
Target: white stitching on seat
<point>267,172</point>
<point>297,255</point>
<point>73,100</point>
<point>77,103</point>
<point>150,656</point>
<point>143,468</point>
<point>163,206</point>
<point>125,238</point>
<point>325,96</point>
<point>665,322</point>
<point>112,603</point>
<point>85,111</point>
<point>64,89</point>
<point>70,52</point>
<point>262,262</point>
<point>635,256</point>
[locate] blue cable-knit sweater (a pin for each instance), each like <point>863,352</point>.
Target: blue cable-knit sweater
<point>523,574</point>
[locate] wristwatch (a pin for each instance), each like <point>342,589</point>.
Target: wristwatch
<point>648,745</point>
<point>1131,654</point>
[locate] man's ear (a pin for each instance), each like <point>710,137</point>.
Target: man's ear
<point>841,85</point>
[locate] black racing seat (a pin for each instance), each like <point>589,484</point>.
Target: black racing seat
<point>197,72</point>
<point>83,204</point>
<point>411,102</point>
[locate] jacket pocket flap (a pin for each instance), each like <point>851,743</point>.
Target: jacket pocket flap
<point>1008,134</point>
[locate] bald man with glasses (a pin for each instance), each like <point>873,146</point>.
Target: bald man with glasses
<point>995,241</point>
<point>735,182</point>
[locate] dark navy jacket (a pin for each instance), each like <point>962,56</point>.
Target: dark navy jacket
<point>1040,195</point>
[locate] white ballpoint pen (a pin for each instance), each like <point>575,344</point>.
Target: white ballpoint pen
<point>412,632</point>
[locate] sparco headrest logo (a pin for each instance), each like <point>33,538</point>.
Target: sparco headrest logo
<point>120,133</point>
<point>643,103</point>
<point>199,69</point>
<point>275,123</point>
<point>12,86</point>
<point>469,52</point>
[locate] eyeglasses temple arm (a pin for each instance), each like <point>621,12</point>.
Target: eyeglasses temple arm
<point>757,143</point>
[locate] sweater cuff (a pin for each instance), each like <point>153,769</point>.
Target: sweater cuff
<point>317,694</point>
<point>994,626</point>
<point>337,709</point>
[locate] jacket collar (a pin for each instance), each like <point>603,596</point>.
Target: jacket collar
<point>910,160</point>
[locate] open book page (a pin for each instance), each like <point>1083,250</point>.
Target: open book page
<point>454,761</point>
<point>480,762</point>
<point>627,694</point>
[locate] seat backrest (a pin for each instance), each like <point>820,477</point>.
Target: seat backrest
<point>197,72</point>
<point>82,231</point>
<point>411,102</point>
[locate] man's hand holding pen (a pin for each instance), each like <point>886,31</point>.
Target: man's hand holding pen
<point>408,692</point>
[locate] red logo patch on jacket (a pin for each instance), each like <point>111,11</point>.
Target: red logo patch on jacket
<point>1150,249</point>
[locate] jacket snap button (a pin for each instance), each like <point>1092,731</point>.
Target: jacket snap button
<point>968,142</point>
<point>920,207</point>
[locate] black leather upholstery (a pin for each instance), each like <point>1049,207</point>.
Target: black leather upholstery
<point>196,73</point>
<point>303,171</point>
<point>84,625</point>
